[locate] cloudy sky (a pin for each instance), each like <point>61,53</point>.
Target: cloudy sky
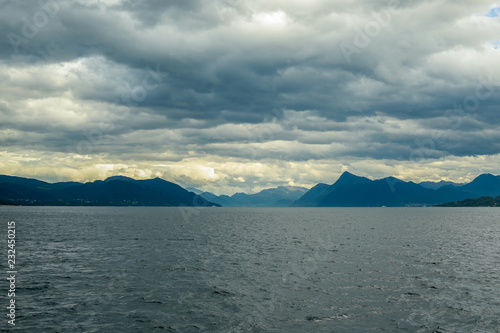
<point>237,95</point>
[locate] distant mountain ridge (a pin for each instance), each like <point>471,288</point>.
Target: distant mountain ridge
<point>354,191</point>
<point>281,196</point>
<point>348,191</point>
<point>113,191</point>
<point>437,185</point>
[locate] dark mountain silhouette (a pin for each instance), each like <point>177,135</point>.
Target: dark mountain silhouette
<point>312,197</point>
<point>282,196</point>
<point>485,201</point>
<point>484,185</point>
<point>354,191</point>
<point>114,191</point>
<point>121,178</point>
<point>29,182</point>
<point>348,191</point>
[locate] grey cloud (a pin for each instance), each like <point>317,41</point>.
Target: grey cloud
<point>222,75</point>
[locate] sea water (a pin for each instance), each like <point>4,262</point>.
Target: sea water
<point>152,269</point>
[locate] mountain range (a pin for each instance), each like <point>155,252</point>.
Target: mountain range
<point>348,191</point>
<point>114,191</point>
<point>354,191</point>
<point>281,196</point>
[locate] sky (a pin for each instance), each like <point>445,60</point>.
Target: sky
<point>235,95</point>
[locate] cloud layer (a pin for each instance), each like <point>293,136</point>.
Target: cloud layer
<point>237,95</point>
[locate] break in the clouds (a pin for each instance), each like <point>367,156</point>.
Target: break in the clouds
<point>236,95</point>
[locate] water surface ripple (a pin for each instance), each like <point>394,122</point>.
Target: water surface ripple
<point>103,269</point>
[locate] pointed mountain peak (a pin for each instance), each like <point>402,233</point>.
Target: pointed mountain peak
<point>346,175</point>
<point>348,178</point>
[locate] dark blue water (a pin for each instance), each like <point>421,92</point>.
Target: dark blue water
<point>89,269</point>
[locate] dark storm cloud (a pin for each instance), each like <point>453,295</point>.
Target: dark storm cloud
<point>425,71</point>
